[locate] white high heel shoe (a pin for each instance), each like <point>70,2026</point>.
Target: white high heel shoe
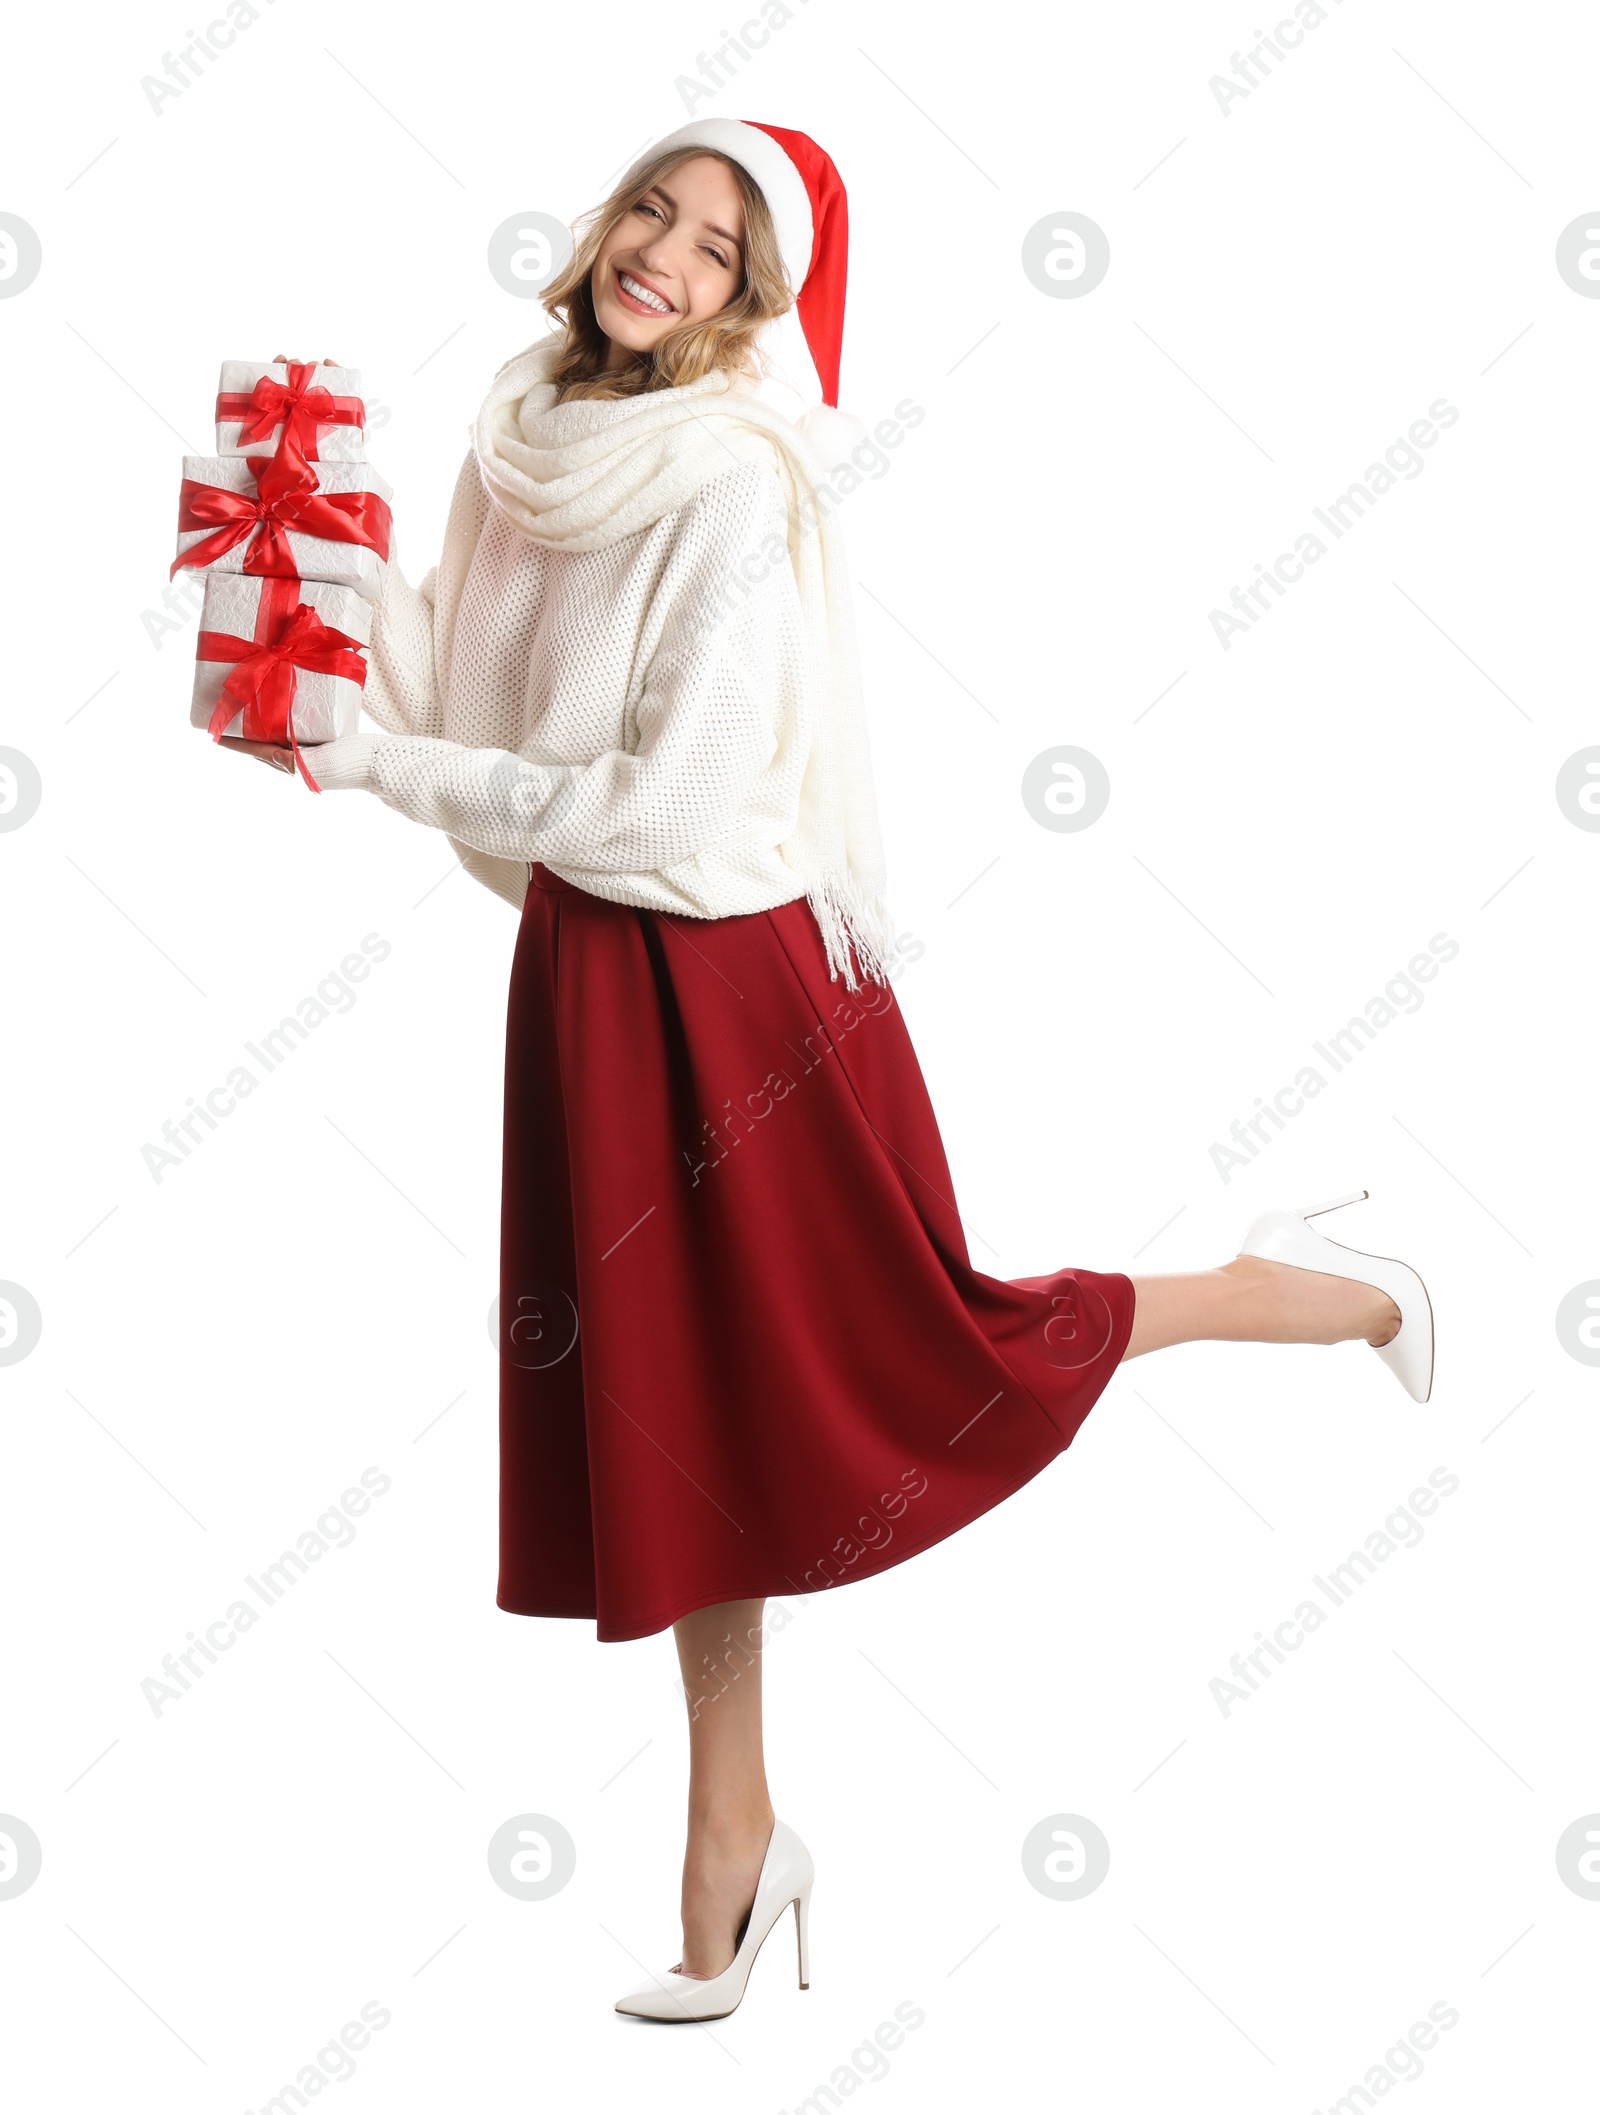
<point>1283,1237</point>
<point>786,1874</point>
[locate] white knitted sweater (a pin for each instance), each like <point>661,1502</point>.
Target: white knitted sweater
<point>617,714</point>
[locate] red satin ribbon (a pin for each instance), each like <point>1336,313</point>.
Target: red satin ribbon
<point>267,515</point>
<point>295,404</point>
<point>289,636</point>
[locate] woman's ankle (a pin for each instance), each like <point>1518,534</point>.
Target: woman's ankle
<point>1254,1307</point>
<point>732,1827</point>
<point>1280,1303</point>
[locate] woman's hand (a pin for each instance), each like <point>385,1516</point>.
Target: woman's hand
<point>269,753</point>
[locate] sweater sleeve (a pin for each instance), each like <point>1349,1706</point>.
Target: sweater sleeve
<point>403,690</point>
<point>708,718</point>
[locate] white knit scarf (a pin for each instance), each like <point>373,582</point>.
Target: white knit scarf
<point>588,472</point>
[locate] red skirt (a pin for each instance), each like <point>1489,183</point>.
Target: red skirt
<point>742,1349</point>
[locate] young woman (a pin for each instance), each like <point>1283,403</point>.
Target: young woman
<point>744,1350</point>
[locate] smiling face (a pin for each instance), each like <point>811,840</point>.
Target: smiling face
<point>675,256</point>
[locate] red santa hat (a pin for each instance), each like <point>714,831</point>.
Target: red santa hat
<point>805,196</point>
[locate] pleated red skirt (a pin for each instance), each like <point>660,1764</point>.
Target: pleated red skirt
<point>742,1348</point>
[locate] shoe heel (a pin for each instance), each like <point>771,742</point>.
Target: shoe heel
<point>802,1916</point>
<point>1334,1204</point>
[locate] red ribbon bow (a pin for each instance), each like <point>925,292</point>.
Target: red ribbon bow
<point>267,515</point>
<point>300,408</point>
<point>289,636</point>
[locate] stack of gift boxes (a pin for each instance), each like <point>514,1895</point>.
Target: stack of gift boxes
<point>289,523</point>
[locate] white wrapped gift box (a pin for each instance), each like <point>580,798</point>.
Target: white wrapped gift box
<point>305,556</point>
<point>325,706</point>
<point>338,440</point>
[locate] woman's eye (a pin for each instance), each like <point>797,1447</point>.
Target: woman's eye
<point>717,254</point>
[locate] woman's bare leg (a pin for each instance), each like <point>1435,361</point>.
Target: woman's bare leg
<point>730,1811</point>
<point>1248,1300</point>
<point>1254,1301</point>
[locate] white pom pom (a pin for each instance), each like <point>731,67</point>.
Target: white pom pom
<point>833,434</point>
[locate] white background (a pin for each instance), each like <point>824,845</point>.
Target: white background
<point>224,1351</point>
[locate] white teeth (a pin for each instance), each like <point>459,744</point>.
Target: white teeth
<point>643,293</point>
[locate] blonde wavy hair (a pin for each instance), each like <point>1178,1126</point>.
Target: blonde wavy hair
<point>726,340</point>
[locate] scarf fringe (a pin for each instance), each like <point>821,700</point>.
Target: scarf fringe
<point>852,925</point>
